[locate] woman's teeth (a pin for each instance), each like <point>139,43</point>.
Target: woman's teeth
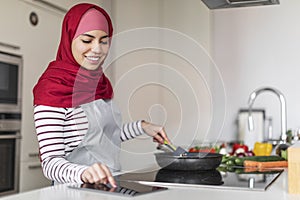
<point>93,58</point>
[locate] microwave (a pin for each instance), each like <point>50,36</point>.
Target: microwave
<point>10,83</point>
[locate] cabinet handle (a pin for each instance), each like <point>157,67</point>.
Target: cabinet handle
<point>11,46</point>
<point>33,155</point>
<point>18,136</point>
<point>34,167</point>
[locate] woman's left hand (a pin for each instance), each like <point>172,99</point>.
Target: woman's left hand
<point>157,132</point>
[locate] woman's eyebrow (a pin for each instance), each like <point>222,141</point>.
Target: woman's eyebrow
<point>105,36</point>
<point>91,36</point>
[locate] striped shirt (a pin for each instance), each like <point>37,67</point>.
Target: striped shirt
<point>59,131</point>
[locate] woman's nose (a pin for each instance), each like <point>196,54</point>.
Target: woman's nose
<point>97,48</point>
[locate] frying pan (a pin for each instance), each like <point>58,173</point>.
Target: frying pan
<point>188,161</point>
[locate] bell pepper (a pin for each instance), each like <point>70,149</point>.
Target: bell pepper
<point>262,149</point>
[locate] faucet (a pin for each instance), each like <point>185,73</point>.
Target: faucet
<point>282,100</point>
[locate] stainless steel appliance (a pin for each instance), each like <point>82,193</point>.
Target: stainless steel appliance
<point>10,83</point>
<point>10,127</point>
<point>10,122</point>
<point>217,4</point>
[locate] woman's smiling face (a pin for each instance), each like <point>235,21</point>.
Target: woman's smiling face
<point>90,49</point>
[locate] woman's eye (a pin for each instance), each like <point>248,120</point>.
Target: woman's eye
<point>103,42</point>
<point>86,41</point>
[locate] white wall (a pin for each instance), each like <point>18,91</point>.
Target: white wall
<point>254,47</point>
<point>188,74</point>
<point>251,47</point>
<point>130,93</point>
<point>151,81</point>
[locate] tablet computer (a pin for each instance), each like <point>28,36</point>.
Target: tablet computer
<point>125,188</point>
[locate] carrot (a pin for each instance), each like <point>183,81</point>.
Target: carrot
<point>250,169</point>
<point>272,164</point>
<point>262,165</point>
<point>250,163</point>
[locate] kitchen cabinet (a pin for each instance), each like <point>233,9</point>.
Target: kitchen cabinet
<point>63,5</point>
<point>32,176</point>
<point>37,45</point>
<point>38,49</point>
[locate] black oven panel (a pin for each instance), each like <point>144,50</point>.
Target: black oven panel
<point>10,82</point>
<point>10,135</point>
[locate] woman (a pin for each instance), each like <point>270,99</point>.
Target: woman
<point>79,128</point>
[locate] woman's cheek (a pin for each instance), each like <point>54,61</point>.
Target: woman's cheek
<point>82,48</point>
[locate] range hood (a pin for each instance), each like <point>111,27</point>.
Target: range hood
<point>217,4</point>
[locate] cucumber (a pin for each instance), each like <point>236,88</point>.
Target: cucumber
<point>230,163</point>
<point>240,161</point>
<point>226,158</point>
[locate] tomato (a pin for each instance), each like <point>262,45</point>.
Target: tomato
<point>212,150</point>
<point>208,150</point>
<point>193,150</point>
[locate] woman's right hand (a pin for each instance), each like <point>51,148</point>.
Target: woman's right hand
<point>98,173</point>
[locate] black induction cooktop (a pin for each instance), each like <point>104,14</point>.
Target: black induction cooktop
<point>239,179</point>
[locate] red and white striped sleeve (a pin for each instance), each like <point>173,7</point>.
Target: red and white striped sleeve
<point>50,123</point>
<point>131,130</point>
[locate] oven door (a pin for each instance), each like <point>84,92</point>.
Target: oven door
<point>10,162</point>
<point>10,83</point>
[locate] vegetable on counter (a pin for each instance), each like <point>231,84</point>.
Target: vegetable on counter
<point>240,161</point>
<point>239,147</point>
<point>255,170</point>
<point>262,149</point>
<point>241,150</point>
<point>262,165</point>
<point>229,160</point>
<point>281,150</point>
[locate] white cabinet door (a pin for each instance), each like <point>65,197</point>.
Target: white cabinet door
<point>38,45</point>
<point>32,176</point>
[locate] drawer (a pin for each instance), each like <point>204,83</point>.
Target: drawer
<point>32,177</point>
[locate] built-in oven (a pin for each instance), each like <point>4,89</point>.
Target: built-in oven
<point>10,82</point>
<point>10,122</point>
<point>10,136</point>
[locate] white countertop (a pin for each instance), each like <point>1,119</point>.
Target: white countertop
<point>278,190</point>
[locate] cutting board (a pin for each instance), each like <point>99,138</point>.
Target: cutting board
<point>294,169</point>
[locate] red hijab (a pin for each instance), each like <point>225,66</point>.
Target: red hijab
<point>64,83</point>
